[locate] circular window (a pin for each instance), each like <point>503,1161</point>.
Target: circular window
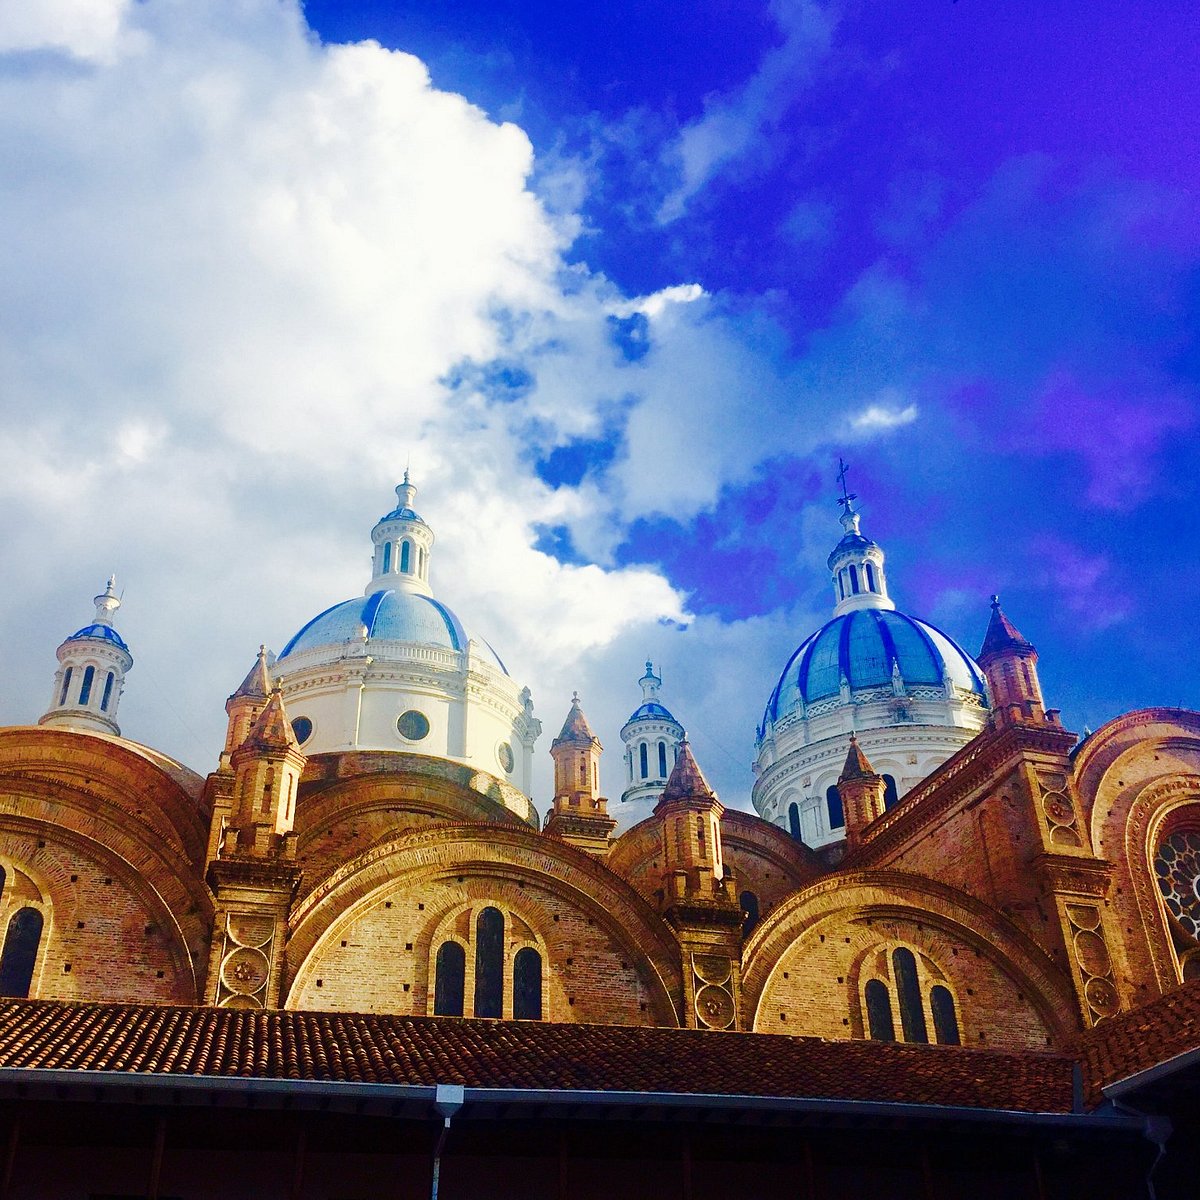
<point>1177,865</point>
<point>505,755</point>
<point>413,725</point>
<point>302,728</point>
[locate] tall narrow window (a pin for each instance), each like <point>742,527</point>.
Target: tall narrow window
<point>489,963</point>
<point>450,972</point>
<point>841,582</point>
<point>833,802</point>
<point>643,760</point>
<point>62,696</point>
<point>108,687</point>
<point>3,877</point>
<point>945,1022</point>
<point>854,579</point>
<point>662,760</point>
<point>527,985</point>
<point>879,1012</point>
<point>794,820</point>
<point>871,578</point>
<point>890,795</point>
<point>85,689</point>
<point>20,952</point>
<point>1027,676</point>
<point>908,992</point>
<point>405,556</point>
<point>387,558</point>
<point>749,912</point>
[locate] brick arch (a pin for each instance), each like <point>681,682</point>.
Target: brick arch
<point>157,794</point>
<point>510,857</point>
<point>1129,832</point>
<point>867,907</point>
<point>164,883</point>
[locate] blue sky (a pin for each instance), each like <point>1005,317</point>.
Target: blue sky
<point>623,282</point>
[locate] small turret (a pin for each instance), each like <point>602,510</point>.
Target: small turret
<point>1009,661</point>
<point>244,706</point>
<point>693,864</point>
<point>580,813</point>
<point>93,663</point>
<point>266,768</point>
<point>652,738</point>
<point>862,792</point>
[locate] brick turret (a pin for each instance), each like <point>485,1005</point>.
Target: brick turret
<point>580,813</point>
<point>862,793</point>
<point>1010,662</point>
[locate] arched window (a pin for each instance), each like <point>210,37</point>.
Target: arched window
<point>749,912</point>
<point>108,687</point>
<point>841,584</point>
<point>450,974</point>
<point>527,985</point>
<point>854,579</point>
<point>908,991</point>
<point>489,963</point>
<point>871,578</point>
<point>945,1022</point>
<point>3,877</point>
<point>662,760</point>
<point>20,952</point>
<point>405,556</point>
<point>794,819</point>
<point>1027,676</point>
<point>833,802</point>
<point>62,696</point>
<point>644,760</point>
<point>890,795</point>
<point>880,1026</point>
<point>85,689</point>
<point>387,558</point>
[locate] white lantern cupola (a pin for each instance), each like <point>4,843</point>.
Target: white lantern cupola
<point>93,663</point>
<point>403,544</point>
<point>856,564</point>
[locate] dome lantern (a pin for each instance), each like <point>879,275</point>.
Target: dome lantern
<point>403,544</point>
<point>93,663</point>
<point>856,564</point>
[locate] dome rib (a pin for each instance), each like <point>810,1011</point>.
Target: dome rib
<point>865,646</point>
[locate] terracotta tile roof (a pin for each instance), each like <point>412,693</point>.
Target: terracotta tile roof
<point>576,729</point>
<point>522,1055</point>
<point>858,766</point>
<point>1141,1038</point>
<point>1001,635</point>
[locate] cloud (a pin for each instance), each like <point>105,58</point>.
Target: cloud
<point>876,417</point>
<point>733,123</point>
<point>92,30</point>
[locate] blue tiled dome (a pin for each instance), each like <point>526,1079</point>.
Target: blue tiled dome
<point>106,633</point>
<point>390,615</point>
<point>653,710</point>
<point>863,646</point>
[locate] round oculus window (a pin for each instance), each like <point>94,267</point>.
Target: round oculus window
<point>505,755</point>
<point>302,727</point>
<point>413,725</point>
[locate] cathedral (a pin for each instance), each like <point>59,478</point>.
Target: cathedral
<point>951,952</point>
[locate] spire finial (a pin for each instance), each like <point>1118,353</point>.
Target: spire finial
<point>107,602</point>
<point>574,697</point>
<point>995,600</point>
<point>847,497</point>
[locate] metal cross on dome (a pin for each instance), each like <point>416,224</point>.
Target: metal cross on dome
<point>846,496</point>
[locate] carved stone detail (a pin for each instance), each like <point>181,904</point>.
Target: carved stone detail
<point>1093,961</point>
<point>712,977</point>
<point>246,954</point>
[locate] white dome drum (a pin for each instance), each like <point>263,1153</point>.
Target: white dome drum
<point>396,670</point>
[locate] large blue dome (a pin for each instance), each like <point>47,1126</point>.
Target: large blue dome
<point>865,646</point>
<point>391,615</point>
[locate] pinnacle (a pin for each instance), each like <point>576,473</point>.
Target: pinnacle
<point>575,727</point>
<point>687,780</point>
<point>272,731</point>
<point>858,766</point>
<point>257,684</point>
<point>1002,634</point>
